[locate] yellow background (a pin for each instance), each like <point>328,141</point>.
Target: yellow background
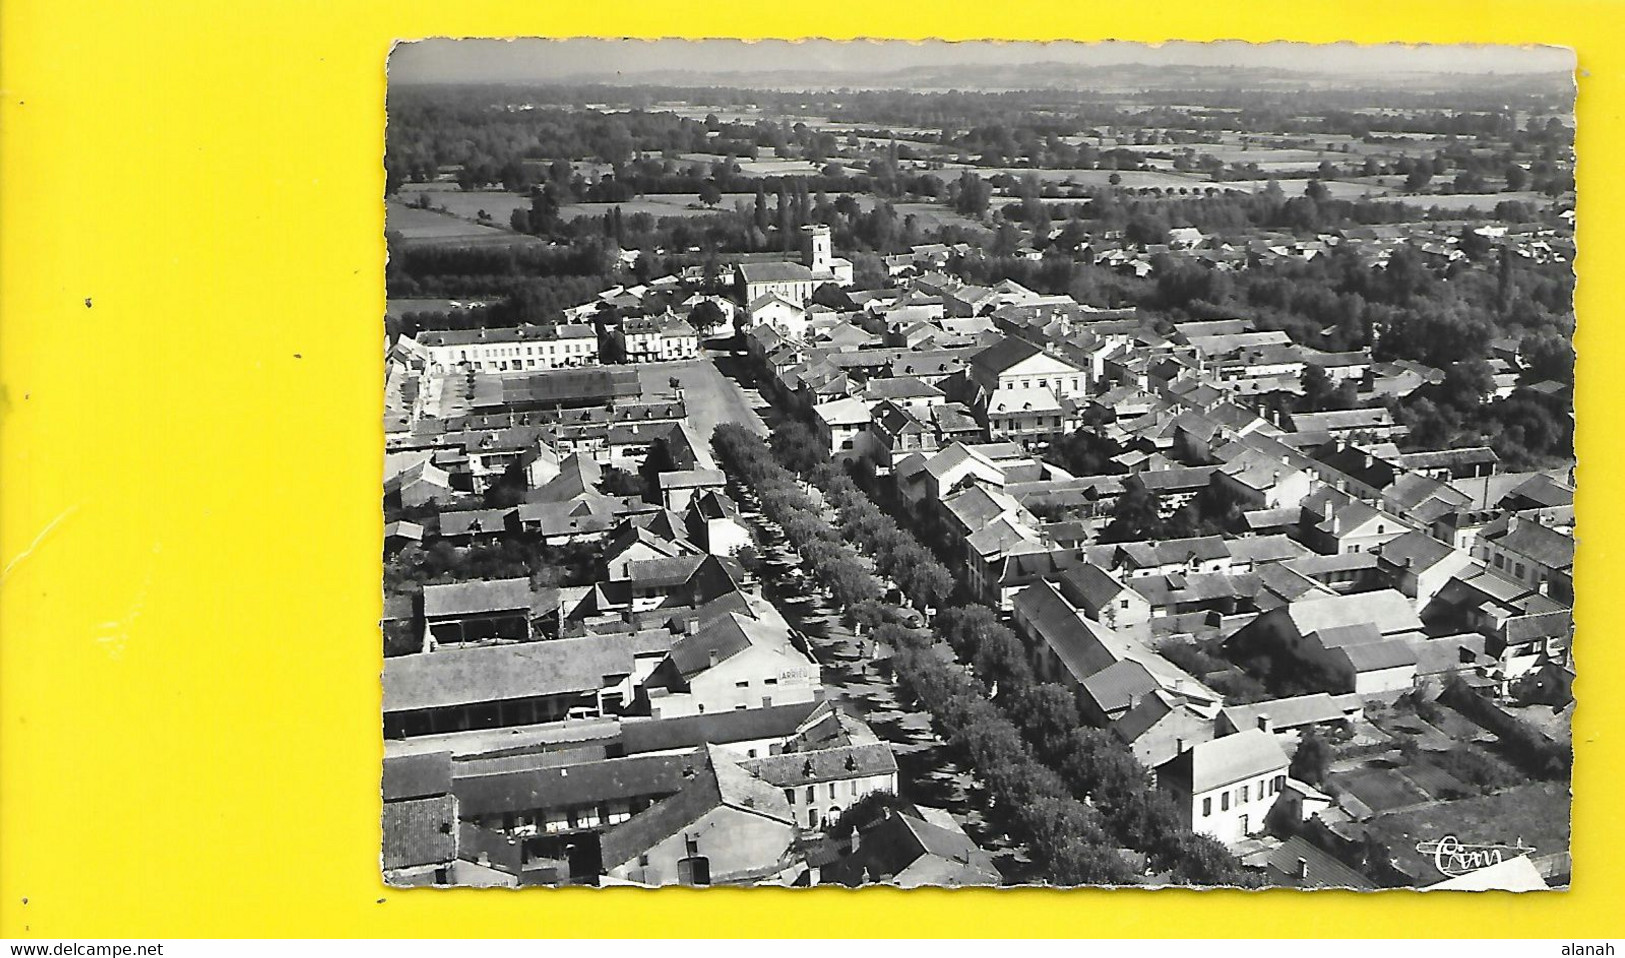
<point>190,353</point>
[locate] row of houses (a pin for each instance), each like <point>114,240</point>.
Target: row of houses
<point>1352,566</point>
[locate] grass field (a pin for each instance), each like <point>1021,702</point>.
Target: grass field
<point>1482,201</point>
<point>653,207</point>
<point>1131,179</point>
<point>1381,789</point>
<point>400,307</point>
<point>777,168</point>
<point>1265,156</point>
<point>466,204</point>
<point>1338,189</point>
<point>1536,816</point>
<point>426,226</point>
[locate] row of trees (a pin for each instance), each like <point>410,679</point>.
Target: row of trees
<point>1088,764</point>
<point>1064,835</point>
<point>896,554</point>
<point>1093,764</point>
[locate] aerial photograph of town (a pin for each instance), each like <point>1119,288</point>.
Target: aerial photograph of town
<point>977,464</point>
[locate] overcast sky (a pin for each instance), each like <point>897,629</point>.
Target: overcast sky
<point>484,61</point>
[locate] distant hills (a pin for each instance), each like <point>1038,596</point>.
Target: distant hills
<point>1119,78</point>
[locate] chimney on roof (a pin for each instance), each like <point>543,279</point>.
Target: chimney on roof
<point>1179,746</point>
<point>692,627</point>
<point>1264,723</point>
<point>1303,868</point>
<point>714,656</point>
<point>856,841</point>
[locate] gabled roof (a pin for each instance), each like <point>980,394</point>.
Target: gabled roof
<point>476,597</point>
<point>1085,647</point>
<point>471,521</point>
<point>578,476</point>
<point>525,670</point>
<point>1390,612</point>
<point>419,832</point>
<point>570,785</point>
<point>1004,355</point>
<point>842,412</point>
<point>1294,712</point>
<point>505,334</point>
<point>1532,540</point>
<point>1119,686</point>
<point>901,387</point>
<point>712,781</point>
<point>768,299</point>
<point>1415,551</point>
<point>1263,549</point>
<point>718,728</point>
<point>721,639</point>
<point>1090,586</point>
<point>693,479</point>
<point>791,769</point>
<point>417,775</point>
<point>1178,479</point>
<point>1145,555</point>
<point>1297,864</point>
<point>1159,727</point>
<point>906,850</point>
<point>632,534</point>
<point>1224,761</point>
<point>775,273</point>
<point>1377,656</point>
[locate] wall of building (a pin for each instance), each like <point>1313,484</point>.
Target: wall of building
<point>734,843</point>
<point>815,804</point>
<point>1228,816</point>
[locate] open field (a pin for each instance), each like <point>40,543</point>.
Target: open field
<point>1266,155</point>
<point>632,207</point>
<point>1536,816</point>
<point>766,166</point>
<point>1381,789</point>
<point>935,214</point>
<point>1482,201</point>
<point>400,307</point>
<point>417,226</point>
<point>1338,189</point>
<point>777,168</point>
<point>466,204</point>
<point>1132,179</point>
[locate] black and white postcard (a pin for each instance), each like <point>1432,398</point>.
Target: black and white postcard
<point>952,464</point>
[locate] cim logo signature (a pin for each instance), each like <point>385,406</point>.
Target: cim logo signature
<point>1454,858</point>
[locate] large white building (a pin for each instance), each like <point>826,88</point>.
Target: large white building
<point>505,349</point>
<point>1226,787</point>
<point>647,339</point>
<point>795,282</point>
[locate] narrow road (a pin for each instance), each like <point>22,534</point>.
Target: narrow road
<point>926,773</point>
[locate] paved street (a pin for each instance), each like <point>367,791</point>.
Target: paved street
<point>927,775</point>
<point>711,397</point>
